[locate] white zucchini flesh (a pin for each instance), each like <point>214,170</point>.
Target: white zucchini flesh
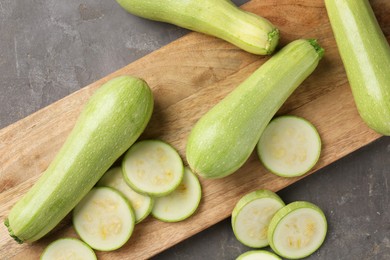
<point>142,204</point>
<point>258,255</point>
<point>297,230</point>
<point>290,146</point>
<point>252,215</point>
<point>153,167</point>
<point>68,249</point>
<point>181,203</point>
<point>104,219</point>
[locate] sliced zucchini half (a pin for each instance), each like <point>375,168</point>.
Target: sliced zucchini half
<point>289,146</point>
<point>252,215</point>
<point>104,219</point>
<point>297,230</point>
<point>153,167</point>
<point>258,255</point>
<point>142,204</point>
<point>181,203</point>
<point>68,249</point>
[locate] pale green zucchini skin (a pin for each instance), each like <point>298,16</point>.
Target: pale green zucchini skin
<point>223,139</point>
<point>111,121</point>
<point>365,53</point>
<point>219,18</point>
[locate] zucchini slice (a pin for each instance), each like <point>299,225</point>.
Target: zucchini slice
<point>68,249</point>
<point>289,146</point>
<point>258,255</point>
<point>142,204</point>
<point>104,219</point>
<point>251,217</point>
<point>297,230</point>
<point>181,203</point>
<point>153,167</point>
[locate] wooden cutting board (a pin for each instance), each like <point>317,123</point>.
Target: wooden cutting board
<point>188,77</point>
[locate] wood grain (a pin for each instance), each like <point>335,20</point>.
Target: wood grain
<point>188,77</point>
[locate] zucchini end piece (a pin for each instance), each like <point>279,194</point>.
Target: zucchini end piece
<point>11,232</point>
<point>273,40</point>
<point>320,51</point>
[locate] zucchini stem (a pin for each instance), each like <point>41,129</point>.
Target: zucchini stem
<point>317,47</point>
<point>273,40</point>
<point>11,232</point>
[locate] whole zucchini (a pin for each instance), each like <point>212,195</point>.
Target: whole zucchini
<point>365,53</point>
<point>223,139</point>
<point>109,124</point>
<point>220,18</point>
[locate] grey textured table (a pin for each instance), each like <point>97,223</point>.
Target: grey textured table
<point>49,49</point>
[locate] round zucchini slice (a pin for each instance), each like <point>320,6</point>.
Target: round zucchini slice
<point>104,219</point>
<point>153,167</point>
<point>68,248</point>
<point>258,255</point>
<point>289,146</point>
<point>252,215</point>
<point>181,203</point>
<point>297,230</point>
